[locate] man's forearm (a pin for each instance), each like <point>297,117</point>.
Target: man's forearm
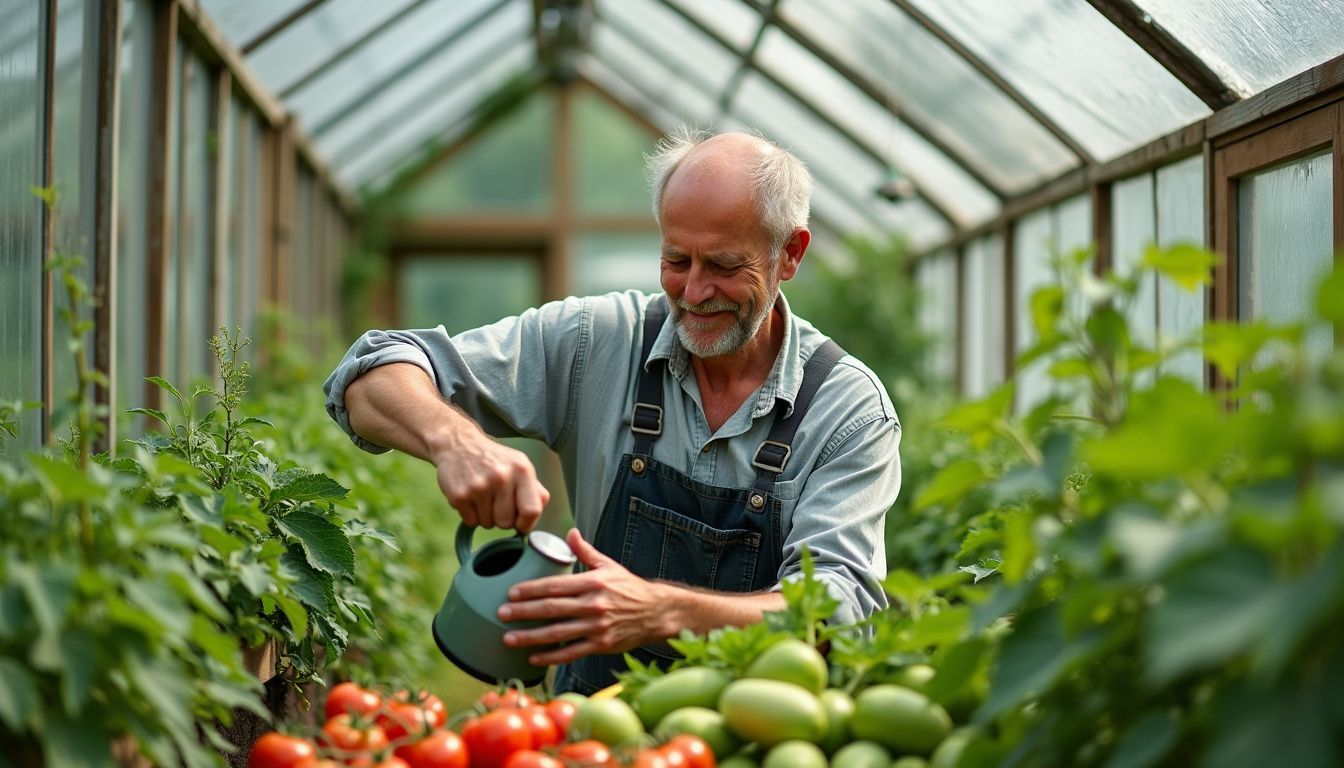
<point>397,406</point>
<point>703,610</point>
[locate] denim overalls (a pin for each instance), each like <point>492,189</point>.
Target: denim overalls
<point>661,524</point>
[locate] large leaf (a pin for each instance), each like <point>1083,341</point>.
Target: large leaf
<point>363,529</point>
<point>1036,654</point>
<point>311,586</point>
<point>310,487</point>
<point>957,666</point>
<point>1211,611</point>
<point>952,483</point>
<point>1171,429</point>
<point>1286,725</point>
<point>1185,264</point>
<point>66,484</point>
<point>68,743</point>
<point>1146,742</point>
<point>18,695</point>
<point>324,544</point>
<point>79,653</point>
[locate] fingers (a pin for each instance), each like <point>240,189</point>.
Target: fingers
<point>587,553</point>
<point>495,486</point>
<point>531,499</point>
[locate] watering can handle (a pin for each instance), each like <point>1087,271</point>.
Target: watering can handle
<point>463,543</point>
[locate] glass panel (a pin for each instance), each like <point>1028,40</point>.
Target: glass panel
<point>680,53</point>
<point>837,213</point>
<point>597,72</point>
<point>429,82</point>
<point>314,38</point>
<point>416,38</point>
<point>301,257</point>
<point>477,289</point>
<point>615,261</point>
<point>243,20</point>
<point>684,97</point>
<point>137,83</point>
<point>1180,219</point>
<point>929,80</point>
<point>249,206</point>
<point>1284,243</point>
<point>20,237</point>
<point>843,103</point>
<point>195,236</point>
<point>1133,229</point>
<point>444,121</point>
<point>1095,82</point>
<point>1032,249</point>
<point>731,19</point>
<point>505,170</point>
<point>982,365</point>
<point>1252,44</point>
<point>937,280</point>
<point>172,290</point>
<point>609,159</point>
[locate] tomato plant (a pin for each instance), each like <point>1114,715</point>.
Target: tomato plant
<point>278,750</point>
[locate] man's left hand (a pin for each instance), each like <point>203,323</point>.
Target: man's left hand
<point>605,609</point>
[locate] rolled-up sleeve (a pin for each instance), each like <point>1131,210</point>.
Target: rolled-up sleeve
<point>513,377</point>
<point>841,515</point>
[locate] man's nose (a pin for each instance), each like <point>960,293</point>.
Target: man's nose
<point>699,287</point>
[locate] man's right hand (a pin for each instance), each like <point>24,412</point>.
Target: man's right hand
<point>488,483</point>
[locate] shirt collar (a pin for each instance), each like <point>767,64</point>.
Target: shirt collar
<point>786,376</point>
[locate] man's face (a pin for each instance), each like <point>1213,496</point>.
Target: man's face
<point>717,268</point>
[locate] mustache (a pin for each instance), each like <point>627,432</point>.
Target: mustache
<point>706,307</point>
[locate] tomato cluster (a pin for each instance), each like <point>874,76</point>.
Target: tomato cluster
<point>506,729</point>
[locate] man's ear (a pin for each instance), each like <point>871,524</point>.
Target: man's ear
<point>792,256</point>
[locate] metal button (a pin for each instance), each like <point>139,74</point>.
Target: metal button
<point>637,466</point>
<point>757,501</point>
<point>705,449</point>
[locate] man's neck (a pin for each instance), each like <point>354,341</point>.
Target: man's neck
<point>743,371</point>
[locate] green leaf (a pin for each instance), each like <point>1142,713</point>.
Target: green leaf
<point>1212,611</point>
<point>1232,345</point>
<point>334,636</point>
<point>978,418</point>
<point>952,483</point>
<point>1034,656</point>
<point>1284,724</point>
<point>310,487</point>
<point>1146,742</point>
<point>311,586</point>
<point>1070,368</point>
<point>78,654</point>
<point>1047,306</point>
<point>161,602</point>
<point>151,412</point>
<point>363,529</point>
<point>1330,297</point>
<point>295,612</point>
<point>255,578</point>
<point>938,629</point>
<point>1171,429</point>
<point>64,483</point>
<point>49,592</point>
<point>1185,264</point>
<point>221,646</point>
<point>237,697</point>
<point>324,544</point>
<point>13,612</point>
<point>957,665</point>
<point>1019,548</point>
<point>19,698</point>
<point>163,384</point>
<point>75,742</point>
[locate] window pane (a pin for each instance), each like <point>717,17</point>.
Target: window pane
<point>617,261</point>
<point>1252,44</point>
<point>1180,219</point>
<point>934,84</point>
<point>465,291</point>
<point>137,62</point>
<point>1284,243</point>
<point>936,277</point>
<point>684,58</point>
<point>1095,82</point>
<point>619,85</point>
<point>314,38</point>
<point>242,20</point>
<point>20,237</point>
<point>172,291</point>
<point>195,236</point>
<point>982,365</point>
<point>1133,229</point>
<point>731,19</point>
<point>610,153</point>
<point>249,206</point>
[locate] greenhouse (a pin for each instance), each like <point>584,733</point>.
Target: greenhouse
<point>775,383</point>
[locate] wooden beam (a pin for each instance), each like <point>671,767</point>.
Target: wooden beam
<point>280,26</point>
<point>222,126</point>
<point>1297,95</point>
<point>996,79</point>
<point>1165,48</point>
<point>105,219</point>
<point>47,214</point>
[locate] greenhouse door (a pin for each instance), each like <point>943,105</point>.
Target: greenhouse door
<point>1278,198</point>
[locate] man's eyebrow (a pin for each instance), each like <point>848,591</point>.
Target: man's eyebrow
<point>672,250</point>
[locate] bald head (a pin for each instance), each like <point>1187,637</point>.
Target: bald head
<point>778,182</point>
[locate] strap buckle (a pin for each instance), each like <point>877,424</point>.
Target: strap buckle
<point>647,419</point>
<point>772,456</point>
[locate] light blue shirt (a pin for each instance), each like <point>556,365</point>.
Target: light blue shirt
<point>564,374</point>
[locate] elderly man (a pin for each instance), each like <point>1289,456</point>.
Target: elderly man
<point>707,435</point>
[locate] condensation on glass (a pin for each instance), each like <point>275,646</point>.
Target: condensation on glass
<point>936,277</point>
<point>983,313</point>
<point>1181,219</point>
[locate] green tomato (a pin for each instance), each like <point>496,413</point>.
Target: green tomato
<point>795,754</point>
<point>685,687</point>
<point>611,721</point>
<point>792,661</point>
<point>900,719</point>
<point>916,677</point>
<point>706,723</point>
<point>770,711</point>
<point>949,753</point>
<point>577,699</point>
<point>861,754</point>
<point>910,761</point>
<point>839,709</point>
<point>739,761</point>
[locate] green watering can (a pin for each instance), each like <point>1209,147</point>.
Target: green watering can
<point>467,627</point>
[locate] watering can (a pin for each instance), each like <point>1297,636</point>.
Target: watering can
<point>467,628</point>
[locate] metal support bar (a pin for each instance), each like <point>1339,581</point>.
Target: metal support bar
<point>322,66</point>
<point>47,172</point>
<point>996,79</point>
<point>744,65</point>
<point>357,100</point>
<point>1170,52</point>
<point>280,26</point>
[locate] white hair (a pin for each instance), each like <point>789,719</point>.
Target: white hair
<point>781,183</point>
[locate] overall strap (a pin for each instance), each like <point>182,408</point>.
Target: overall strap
<point>647,420</point>
<point>773,454</point>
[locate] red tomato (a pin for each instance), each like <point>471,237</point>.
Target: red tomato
<point>589,753</point>
<point>693,748</point>
<point>494,736</point>
<point>561,713</point>
<point>277,750</point>
<point>427,701</point>
<point>531,758</point>
<point>649,758</point>
<point>349,698</point>
<point>402,718</point>
<point>440,749</point>
<point>542,727</point>
<point>509,697</point>
<point>354,741</point>
<point>391,761</point>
